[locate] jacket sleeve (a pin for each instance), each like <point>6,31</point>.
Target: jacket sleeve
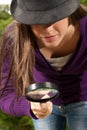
<point>8,102</point>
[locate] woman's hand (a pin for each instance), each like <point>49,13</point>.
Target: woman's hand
<point>41,110</point>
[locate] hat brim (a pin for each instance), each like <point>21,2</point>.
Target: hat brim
<point>46,16</point>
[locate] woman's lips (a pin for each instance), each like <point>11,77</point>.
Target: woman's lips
<point>49,38</point>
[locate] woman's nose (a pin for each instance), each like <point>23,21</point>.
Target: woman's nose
<point>48,27</point>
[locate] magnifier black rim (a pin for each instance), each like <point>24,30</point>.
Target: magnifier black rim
<point>39,85</point>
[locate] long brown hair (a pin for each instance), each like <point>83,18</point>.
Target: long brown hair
<point>22,52</point>
<point>18,42</point>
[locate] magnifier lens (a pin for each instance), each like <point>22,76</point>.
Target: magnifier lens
<point>42,93</point>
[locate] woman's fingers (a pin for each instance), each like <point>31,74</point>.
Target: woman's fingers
<point>41,110</point>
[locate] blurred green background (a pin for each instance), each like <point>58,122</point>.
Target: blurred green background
<point>8,122</point>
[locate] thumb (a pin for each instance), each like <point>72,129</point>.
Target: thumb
<point>45,105</point>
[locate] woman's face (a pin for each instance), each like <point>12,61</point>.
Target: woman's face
<point>50,35</point>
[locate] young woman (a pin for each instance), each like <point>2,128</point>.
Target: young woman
<point>47,42</point>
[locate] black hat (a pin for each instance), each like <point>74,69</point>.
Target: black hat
<point>42,11</point>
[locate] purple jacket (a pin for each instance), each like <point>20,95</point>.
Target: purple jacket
<point>71,80</point>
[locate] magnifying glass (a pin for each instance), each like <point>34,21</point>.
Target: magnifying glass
<point>41,92</point>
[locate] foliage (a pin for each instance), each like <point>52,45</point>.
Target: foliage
<point>8,122</point>
<point>5,19</point>
<point>4,23</point>
<point>84,2</point>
